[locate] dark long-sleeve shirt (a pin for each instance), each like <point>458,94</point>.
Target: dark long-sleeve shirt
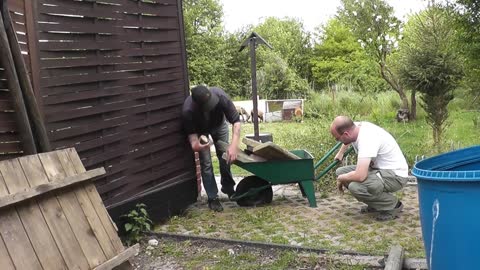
<point>196,121</point>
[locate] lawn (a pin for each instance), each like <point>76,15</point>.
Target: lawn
<point>343,228</point>
<point>414,138</point>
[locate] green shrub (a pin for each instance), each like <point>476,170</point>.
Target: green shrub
<point>136,222</point>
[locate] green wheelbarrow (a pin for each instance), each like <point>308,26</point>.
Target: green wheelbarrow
<point>257,189</point>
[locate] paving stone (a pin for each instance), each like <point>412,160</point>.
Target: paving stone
<point>335,224</point>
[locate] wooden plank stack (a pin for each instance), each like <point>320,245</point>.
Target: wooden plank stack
<point>52,217</point>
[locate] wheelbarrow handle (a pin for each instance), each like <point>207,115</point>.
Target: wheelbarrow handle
<point>327,155</point>
<point>334,163</point>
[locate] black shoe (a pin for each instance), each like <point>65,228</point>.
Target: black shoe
<point>229,192</point>
<point>391,214</point>
<point>215,205</point>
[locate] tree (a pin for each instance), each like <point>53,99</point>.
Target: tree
<point>468,14</point>
<point>288,37</point>
<point>378,31</point>
<point>430,63</point>
<point>276,80</point>
<point>204,41</point>
<point>237,67</point>
<point>338,59</point>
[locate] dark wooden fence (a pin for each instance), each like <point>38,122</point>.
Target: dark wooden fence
<point>110,77</point>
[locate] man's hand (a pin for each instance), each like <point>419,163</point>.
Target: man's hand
<point>197,146</point>
<point>232,153</point>
<point>340,187</point>
<point>341,152</point>
<point>339,156</point>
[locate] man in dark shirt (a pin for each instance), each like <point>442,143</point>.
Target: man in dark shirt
<point>204,113</point>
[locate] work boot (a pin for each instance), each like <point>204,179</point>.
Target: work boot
<point>215,205</point>
<point>367,209</point>
<point>390,214</point>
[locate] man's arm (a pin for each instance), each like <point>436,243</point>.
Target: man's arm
<point>360,173</point>
<point>341,152</point>
<point>233,148</point>
<point>195,143</point>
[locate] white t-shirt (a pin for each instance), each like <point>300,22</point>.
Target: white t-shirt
<point>376,143</point>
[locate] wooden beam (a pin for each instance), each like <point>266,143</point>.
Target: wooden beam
<point>271,151</point>
<point>120,258</point>
<point>6,61</point>
<point>11,199</point>
<point>31,105</point>
<point>241,156</point>
<point>250,142</point>
<point>395,258</point>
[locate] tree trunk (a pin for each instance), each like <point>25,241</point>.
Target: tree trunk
<point>413,107</point>
<point>388,76</point>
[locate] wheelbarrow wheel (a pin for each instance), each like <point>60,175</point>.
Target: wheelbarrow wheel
<point>262,197</point>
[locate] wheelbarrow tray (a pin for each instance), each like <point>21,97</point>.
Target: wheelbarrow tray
<point>287,171</point>
<point>283,171</point>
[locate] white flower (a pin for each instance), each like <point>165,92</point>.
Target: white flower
<point>354,13</point>
<point>380,47</point>
<point>369,29</point>
<point>359,41</point>
<point>370,40</point>
<point>395,44</point>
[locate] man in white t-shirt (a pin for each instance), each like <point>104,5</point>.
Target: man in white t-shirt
<point>381,167</point>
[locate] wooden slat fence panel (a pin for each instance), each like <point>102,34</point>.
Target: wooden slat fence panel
<point>112,82</point>
<point>110,78</point>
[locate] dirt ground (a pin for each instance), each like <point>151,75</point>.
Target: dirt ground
<point>172,254</point>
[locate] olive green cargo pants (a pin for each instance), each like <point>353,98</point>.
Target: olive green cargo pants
<point>376,190</point>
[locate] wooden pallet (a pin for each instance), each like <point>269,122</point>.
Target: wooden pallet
<point>52,217</point>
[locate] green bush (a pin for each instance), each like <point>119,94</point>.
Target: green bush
<point>136,222</point>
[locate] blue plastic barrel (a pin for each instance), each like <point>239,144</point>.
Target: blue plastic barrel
<point>449,198</point>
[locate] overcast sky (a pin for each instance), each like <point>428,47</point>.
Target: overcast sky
<point>238,13</point>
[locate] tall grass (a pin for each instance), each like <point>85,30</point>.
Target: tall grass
<point>354,104</point>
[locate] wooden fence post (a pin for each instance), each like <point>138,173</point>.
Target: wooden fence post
<point>21,115</point>
<point>25,84</point>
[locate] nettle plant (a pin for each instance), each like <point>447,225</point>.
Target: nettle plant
<point>136,223</point>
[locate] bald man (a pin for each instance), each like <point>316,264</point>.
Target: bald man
<point>381,167</point>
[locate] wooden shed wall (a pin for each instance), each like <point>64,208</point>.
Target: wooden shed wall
<point>111,79</point>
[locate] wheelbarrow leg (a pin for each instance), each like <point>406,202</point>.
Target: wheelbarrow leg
<point>309,190</point>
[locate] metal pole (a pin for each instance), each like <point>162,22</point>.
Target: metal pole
<point>254,87</point>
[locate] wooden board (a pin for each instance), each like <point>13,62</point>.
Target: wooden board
<point>53,218</point>
<point>271,151</point>
<point>241,155</point>
<point>32,218</point>
<point>250,142</point>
